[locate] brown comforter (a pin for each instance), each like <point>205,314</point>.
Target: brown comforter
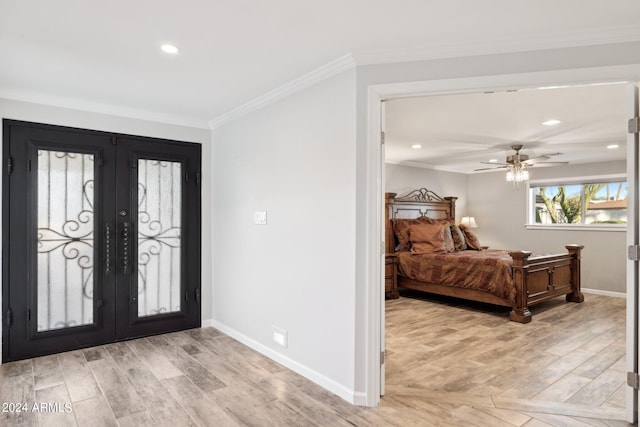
<point>488,270</point>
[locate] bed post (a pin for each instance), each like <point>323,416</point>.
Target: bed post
<point>520,312</point>
<point>452,206</point>
<point>389,238</point>
<point>575,295</point>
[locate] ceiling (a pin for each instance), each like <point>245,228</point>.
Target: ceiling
<point>91,54</point>
<point>458,132</point>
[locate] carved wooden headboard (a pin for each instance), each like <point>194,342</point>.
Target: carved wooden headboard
<point>421,202</point>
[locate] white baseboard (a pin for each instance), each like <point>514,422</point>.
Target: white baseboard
<point>360,399</point>
<point>604,293</point>
<point>338,389</point>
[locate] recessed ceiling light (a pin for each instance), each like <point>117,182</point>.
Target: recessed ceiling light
<point>613,146</point>
<point>169,48</point>
<point>552,122</point>
<point>416,146</point>
<point>493,160</point>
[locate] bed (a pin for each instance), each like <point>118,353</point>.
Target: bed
<point>516,279</point>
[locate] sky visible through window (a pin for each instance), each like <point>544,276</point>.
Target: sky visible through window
<point>576,189</point>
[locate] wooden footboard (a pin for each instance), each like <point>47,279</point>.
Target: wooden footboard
<point>536,279</point>
<point>541,278</point>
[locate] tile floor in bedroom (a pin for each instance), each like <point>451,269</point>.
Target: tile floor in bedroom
<point>569,360</point>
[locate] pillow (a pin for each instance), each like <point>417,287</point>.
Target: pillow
<point>458,238</point>
<point>470,237</point>
<point>427,238</point>
<point>401,230</point>
<point>448,239</point>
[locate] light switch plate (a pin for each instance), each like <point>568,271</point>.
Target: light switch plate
<point>260,217</point>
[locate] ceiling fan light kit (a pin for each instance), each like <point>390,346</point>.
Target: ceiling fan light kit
<point>517,174</point>
<point>517,168</point>
<point>516,165</point>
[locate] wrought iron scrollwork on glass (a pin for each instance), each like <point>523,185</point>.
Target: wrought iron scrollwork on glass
<point>65,239</point>
<point>159,235</point>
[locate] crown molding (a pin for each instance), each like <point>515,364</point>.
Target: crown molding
<point>409,163</point>
<point>415,164</point>
<point>101,108</point>
<point>324,72</point>
<point>522,43</point>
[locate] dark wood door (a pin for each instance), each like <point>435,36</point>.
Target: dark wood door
<point>101,238</point>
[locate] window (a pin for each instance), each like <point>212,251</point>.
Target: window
<point>599,202</point>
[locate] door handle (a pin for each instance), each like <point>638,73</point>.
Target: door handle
<point>107,249</point>
<point>125,248</point>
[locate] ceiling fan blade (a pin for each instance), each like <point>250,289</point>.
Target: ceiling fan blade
<point>495,163</point>
<point>488,169</point>
<point>537,159</point>
<point>548,164</point>
<point>515,159</point>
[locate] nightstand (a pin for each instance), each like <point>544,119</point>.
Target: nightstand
<point>390,276</point>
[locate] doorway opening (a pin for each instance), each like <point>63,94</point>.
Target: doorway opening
<point>388,95</point>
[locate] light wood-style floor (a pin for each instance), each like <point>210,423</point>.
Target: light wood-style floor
<point>567,367</point>
<point>447,366</point>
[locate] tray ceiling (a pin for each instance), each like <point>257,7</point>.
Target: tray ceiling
<point>457,132</point>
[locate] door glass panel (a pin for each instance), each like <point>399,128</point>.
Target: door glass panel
<point>65,244</point>
<point>159,237</point>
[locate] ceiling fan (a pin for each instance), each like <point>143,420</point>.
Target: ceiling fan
<point>518,160</point>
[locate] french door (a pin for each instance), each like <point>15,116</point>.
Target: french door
<point>101,238</point>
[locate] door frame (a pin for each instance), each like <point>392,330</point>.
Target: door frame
<point>376,94</point>
<point>633,172</point>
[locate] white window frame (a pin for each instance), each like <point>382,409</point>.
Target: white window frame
<point>531,224</point>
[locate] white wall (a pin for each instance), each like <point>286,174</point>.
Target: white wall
<point>501,214</point>
<point>402,179</point>
<point>25,111</point>
<point>294,159</point>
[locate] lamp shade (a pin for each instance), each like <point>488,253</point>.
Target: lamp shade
<point>469,221</point>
